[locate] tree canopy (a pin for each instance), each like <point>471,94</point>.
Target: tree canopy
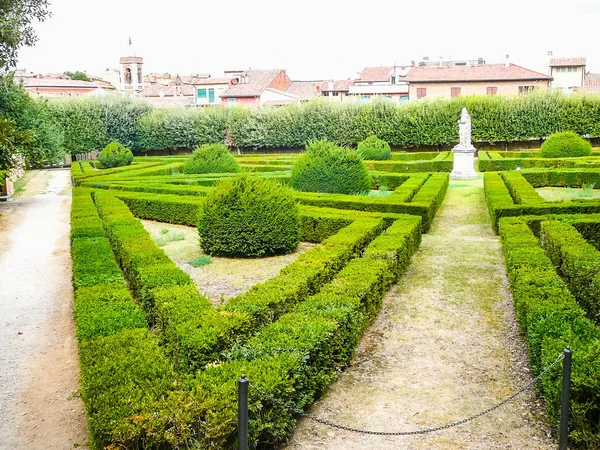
<point>16,29</point>
<point>77,76</point>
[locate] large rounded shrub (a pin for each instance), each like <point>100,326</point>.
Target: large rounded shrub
<point>374,148</point>
<point>249,217</point>
<point>211,158</point>
<point>114,155</point>
<point>565,144</point>
<point>325,167</point>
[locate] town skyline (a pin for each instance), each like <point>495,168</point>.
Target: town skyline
<point>310,45</point>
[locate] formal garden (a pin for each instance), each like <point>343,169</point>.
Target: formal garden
<point>320,204</point>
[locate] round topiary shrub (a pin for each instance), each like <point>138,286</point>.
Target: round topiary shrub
<point>114,155</point>
<point>565,144</point>
<point>211,158</point>
<point>325,167</point>
<point>374,148</point>
<point>249,217</point>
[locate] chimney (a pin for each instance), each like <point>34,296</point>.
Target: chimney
<point>507,61</point>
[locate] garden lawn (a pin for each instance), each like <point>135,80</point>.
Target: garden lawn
<point>445,345</point>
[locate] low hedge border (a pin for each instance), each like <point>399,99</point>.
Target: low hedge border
<point>502,161</point>
<point>298,355</point>
<point>520,190</point>
<point>551,319</point>
<point>501,204</point>
<point>123,371</point>
<point>577,261</point>
<point>434,165</point>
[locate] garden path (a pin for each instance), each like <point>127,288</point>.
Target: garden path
<point>445,345</point>
<point>39,368</point>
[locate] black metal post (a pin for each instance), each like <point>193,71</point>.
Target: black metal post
<point>243,413</point>
<point>565,405</point>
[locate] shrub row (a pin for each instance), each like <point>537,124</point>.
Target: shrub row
<point>563,178</point>
<point>501,204</point>
<point>500,161</point>
<point>123,371</point>
<point>577,261</point>
<point>93,123</point>
<point>520,190</point>
<point>551,319</point>
<point>444,165</point>
<point>297,355</point>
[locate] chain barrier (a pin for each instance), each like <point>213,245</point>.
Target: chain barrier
<point>407,433</point>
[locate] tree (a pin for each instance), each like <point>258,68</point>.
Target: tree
<point>77,76</point>
<point>16,30</point>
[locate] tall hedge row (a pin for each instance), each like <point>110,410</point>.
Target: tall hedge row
<point>91,123</point>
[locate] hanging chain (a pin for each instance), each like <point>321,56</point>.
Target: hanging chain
<point>407,433</point>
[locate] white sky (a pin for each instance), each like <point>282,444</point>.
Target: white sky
<point>311,39</point>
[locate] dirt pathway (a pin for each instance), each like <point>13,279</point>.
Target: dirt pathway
<point>39,368</point>
<point>445,346</point>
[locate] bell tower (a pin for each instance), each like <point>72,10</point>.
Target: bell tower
<point>132,77</point>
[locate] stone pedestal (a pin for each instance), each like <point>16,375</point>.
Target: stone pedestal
<point>464,163</point>
<point>7,190</point>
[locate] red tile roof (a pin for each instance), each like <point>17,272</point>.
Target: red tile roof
<point>483,72</point>
<point>376,73</point>
<point>339,86</point>
<point>306,89</point>
<point>258,80</point>
<point>57,83</point>
<point>561,62</point>
<point>206,81</point>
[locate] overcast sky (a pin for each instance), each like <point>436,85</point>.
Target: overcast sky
<point>311,39</point>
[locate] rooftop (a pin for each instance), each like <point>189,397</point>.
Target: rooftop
<point>257,82</point>
<point>562,62</point>
<point>483,72</point>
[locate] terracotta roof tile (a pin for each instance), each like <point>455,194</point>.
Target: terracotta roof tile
<point>339,86</point>
<point>207,81</point>
<point>58,83</point>
<point>483,72</point>
<point>258,80</point>
<point>154,90</point>
<point>381,73</point>
<point>306,89</point>
<point>561,62</point>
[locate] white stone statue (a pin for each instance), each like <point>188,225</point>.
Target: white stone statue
<point>464,152</point>
<point>464,129</point>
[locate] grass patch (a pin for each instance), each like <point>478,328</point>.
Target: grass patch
<point>201,260</point>
<point>560,194</point>
<point>169,236</point>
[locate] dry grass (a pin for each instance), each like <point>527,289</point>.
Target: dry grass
<point>223,278</point>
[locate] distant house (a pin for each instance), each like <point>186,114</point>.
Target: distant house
<point>337,90</point>
<point>208,91</point>
<point>387,82</point>
<point>58,87</point>
<point>306,90</point>
<point>476,79</point>
<point>175,94</point>
<point>592,83</point>
<point>252,88</point>
<point>568,74</point>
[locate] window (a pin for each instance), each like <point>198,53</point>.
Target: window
<point>492,90</point>
<point>62,94</point>
<point>393,79</point>
<point>421,92</point>
<point>454,92</point>
<point>559,69</point>
<point>201,93</point>
<point>404,98</point>
<point>231,101</point>
<point>365,99</point>
<point>572,69</point>
<point>335,94</point>
<point>53,93</point>
<point>128,75</point>
<point>77,94</point>
<point>70,94</point>
<point>211,95</point>
<point>526,89</point>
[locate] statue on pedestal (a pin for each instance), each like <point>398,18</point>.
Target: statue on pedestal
<point>464,152</point>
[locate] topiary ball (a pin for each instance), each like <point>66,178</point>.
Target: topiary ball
<point>325,167</point>
<point>565,144</point>
<point>114,155</point>
<point>249,217</point>
<point>374,148</point>
<point>211,158</point>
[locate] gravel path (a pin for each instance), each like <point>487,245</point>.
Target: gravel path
<point>444,346</point>
<point>39,368</point>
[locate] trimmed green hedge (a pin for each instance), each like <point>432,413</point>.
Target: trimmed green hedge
<point>551,319</point>
<point>565,144</point>
<point>501,161</point>
<point>249,217</point>
<point>292,359</point>
<point>211,158</point>
<point>577,261</point>
<point>374,148</point>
